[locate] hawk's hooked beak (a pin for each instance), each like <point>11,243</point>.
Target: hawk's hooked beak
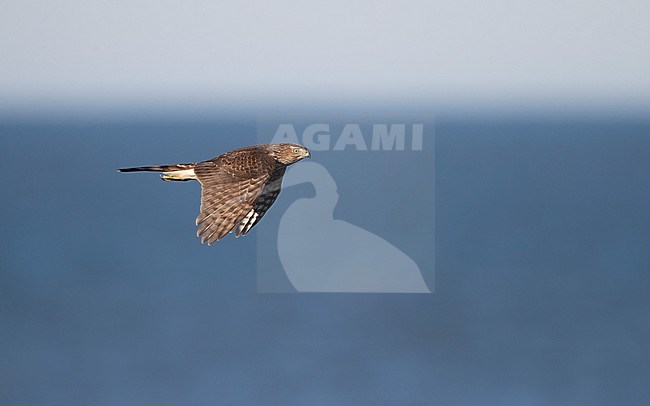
<point>308,154</point>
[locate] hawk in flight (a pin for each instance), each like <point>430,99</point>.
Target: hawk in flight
<point>237,187</point>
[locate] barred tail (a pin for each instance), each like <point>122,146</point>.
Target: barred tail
<point>178,172</point>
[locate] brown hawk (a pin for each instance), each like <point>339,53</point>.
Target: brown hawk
<point>237,188</point>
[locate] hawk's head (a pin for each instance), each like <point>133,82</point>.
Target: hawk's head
<point>288,154</point>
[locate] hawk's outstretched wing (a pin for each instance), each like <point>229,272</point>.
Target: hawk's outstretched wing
<point>231,187</point>
<point>264,201</point>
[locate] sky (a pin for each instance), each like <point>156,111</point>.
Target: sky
<point>92,54</point>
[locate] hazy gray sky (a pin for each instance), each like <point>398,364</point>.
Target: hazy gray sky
<point>108,51</point>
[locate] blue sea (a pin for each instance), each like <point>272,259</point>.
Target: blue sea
<point>542,269</point>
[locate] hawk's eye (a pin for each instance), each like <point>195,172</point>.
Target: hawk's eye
<point>296,150</point>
